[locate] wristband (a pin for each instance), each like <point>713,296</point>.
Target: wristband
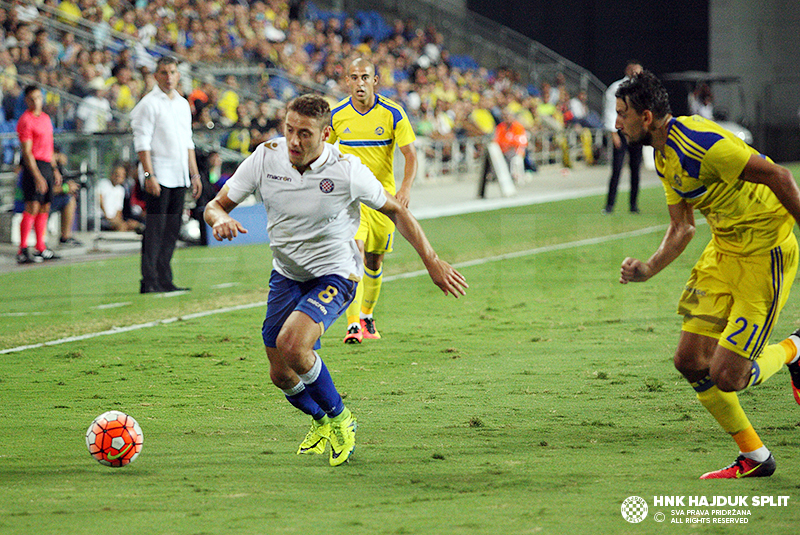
<point>147,175</point>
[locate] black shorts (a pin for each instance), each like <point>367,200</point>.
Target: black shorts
<point>29,192</point>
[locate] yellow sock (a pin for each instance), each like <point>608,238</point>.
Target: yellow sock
<point>790,349</point>
<point>372,281</point>
<point>355,305</point>
<point>772,359</point>
<point>748,440</point>
<point>725,408</point>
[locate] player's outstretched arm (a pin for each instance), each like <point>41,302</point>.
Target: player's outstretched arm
<point>679,234</point>
<point>443,274</point>
<point>217,215</point>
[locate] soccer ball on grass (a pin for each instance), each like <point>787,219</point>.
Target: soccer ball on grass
<point>114,439</point>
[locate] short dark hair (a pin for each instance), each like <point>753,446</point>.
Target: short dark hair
<point>645,92</point>
<point>30,89</point>
<point>313,106</point>
<point>166,60</point>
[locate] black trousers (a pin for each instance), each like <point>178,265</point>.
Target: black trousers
<point>162,227</point>
<point>634,153</point>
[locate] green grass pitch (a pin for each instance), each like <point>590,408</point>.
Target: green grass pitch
<point>536,404</point>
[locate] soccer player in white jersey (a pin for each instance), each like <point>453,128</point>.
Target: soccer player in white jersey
<point>312,194</point>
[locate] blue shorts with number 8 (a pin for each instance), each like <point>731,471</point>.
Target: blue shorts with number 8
<point>322,299</point>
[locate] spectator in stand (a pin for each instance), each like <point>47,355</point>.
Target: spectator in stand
<point>481,121</point>
<point>229,102</point>
<point>69,51</point>
<point>112,197</point>
<point>582,114</point>
<point>124,91</point>
<point>94,112</point>
<point>239,136</point>
<point>43,49</point>
<point>65,202</point>
<point>266,125</point>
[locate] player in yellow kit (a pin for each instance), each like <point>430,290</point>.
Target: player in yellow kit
<point>742,279</point>
<point>370,126</point>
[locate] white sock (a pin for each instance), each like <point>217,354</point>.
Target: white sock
<point>796,341</point>
<point>760,455</point>
<point>296,389</point>
<point>311,375</point>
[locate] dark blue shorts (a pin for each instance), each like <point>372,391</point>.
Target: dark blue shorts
<point>322,299</point>
<point>60,201</point>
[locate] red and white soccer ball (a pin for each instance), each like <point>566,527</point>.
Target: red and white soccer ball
<point>114,439</point>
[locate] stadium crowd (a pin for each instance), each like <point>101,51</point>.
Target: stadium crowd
<point>445,97</point>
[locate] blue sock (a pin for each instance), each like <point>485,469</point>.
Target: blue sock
<point>298,396</point>
<point>319,386</point>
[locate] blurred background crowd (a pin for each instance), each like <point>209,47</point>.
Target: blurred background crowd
<point>230,53</point>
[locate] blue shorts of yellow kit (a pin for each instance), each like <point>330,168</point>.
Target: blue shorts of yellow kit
<point>322,299</point>
<point>376,231</point>
<point>737,299</point>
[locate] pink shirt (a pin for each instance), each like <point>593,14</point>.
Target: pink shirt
<point>38,130</point>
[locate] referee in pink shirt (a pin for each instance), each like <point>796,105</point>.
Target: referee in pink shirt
<point>39,176</point>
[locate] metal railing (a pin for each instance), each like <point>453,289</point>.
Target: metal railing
<point>461,159</point>
<point>92,157</point>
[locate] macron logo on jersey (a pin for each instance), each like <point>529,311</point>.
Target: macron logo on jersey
<point>278,177</point>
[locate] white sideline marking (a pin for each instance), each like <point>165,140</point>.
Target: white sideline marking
<point>224,285</point>
<point>477,262</point>
<point>117,330</point>
<point>112,305</point>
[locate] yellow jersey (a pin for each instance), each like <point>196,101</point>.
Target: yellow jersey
<point>701,164</point>
<point>372,136</point>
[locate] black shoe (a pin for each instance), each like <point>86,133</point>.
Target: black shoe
<point>24,256</point>
<point>69,242</point>
<point>607,210</point>
<point>47,254</point>
<point>149,288</point>
<point>635,210</point>
<point>172,288</point>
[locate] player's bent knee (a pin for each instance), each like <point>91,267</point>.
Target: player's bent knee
<point>728,381</point>
<point>293,348</point>
<point>282,377</point>
<point>688,366</point>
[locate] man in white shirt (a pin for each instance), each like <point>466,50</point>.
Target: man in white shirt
<point>312,193</point>
<point>162,136</point>
<point>620,146</point>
